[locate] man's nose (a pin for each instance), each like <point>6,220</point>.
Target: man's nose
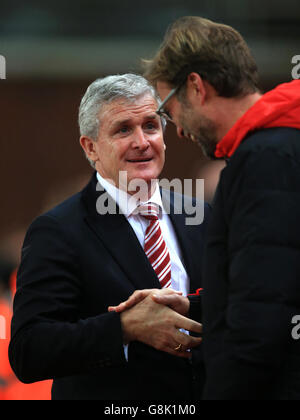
<point>180,132</point>
<point>140,140</point>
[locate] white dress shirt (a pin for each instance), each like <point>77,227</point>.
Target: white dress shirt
<point>128,204</point>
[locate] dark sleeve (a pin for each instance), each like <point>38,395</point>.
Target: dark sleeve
<point>49,338</point>
<point>195,297</point>
<point>195,312</point>
<point>262,208</point>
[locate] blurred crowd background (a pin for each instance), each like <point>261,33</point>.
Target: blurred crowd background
<point>54,49</point>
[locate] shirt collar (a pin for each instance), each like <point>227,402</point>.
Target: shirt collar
<point>128,203</point>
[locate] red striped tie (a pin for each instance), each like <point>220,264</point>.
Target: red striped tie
<point>155,246</point>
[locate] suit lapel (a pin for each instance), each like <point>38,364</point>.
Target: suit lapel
<point>119,238</point>
<point>186,243</point>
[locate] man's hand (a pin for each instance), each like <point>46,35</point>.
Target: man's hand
<point>158,326</point>
<point>174,301</point>
<point>167,297</point>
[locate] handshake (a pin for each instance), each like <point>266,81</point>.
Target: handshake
<point>156,317</point>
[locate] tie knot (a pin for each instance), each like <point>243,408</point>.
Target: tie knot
<point>150,211</point>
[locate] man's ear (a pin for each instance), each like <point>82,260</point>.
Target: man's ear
<point>196,89</point>
<point>89,148</point>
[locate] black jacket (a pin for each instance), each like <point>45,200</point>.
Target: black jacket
<point>75,263</point>
<point>252,272</point>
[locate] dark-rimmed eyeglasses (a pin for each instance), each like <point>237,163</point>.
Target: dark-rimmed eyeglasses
<point>161,111</point>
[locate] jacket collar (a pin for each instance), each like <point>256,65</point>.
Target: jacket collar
<point>278,108</point>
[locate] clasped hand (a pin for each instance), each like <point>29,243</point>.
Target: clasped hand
<point>155,317</point>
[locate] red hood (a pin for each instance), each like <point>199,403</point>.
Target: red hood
<point>278,108</point>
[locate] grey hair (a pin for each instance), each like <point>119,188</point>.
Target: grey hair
<point>104,91</point>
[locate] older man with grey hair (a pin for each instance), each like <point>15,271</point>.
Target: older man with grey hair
<point>78,260</point>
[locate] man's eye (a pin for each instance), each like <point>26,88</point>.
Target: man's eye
<point>124,129</point>
<point>150,126</point>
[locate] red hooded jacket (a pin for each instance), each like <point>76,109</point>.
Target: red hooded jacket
<point>278,108</point>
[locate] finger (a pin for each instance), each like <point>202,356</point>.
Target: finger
<point>121,308</point>
<point>187,341</point>
<point>166,292</point>
<point>137,297</point>
<point>178,338</point>
<point>168,299</point>
<point>188,324</point>
<point>178,353</point>
<point>134,299</point>
<point>184,352</point>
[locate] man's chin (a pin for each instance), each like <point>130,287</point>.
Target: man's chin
<point>144,172</point>
<point>141,178</point>
<point>208,153</point>
<point>142,182</point>
<point>208,148</point>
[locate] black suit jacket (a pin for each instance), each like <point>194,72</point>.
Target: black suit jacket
<point>75,263</point>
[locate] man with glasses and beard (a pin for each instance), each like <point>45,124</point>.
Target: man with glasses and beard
<point>208,81</point>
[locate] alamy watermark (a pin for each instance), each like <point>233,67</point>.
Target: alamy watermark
<point>296,329</point>
<point>296,68</point>
<point>138,190</point>
<point>2,67</point>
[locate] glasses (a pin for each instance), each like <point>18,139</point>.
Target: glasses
<point>163,113</point>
